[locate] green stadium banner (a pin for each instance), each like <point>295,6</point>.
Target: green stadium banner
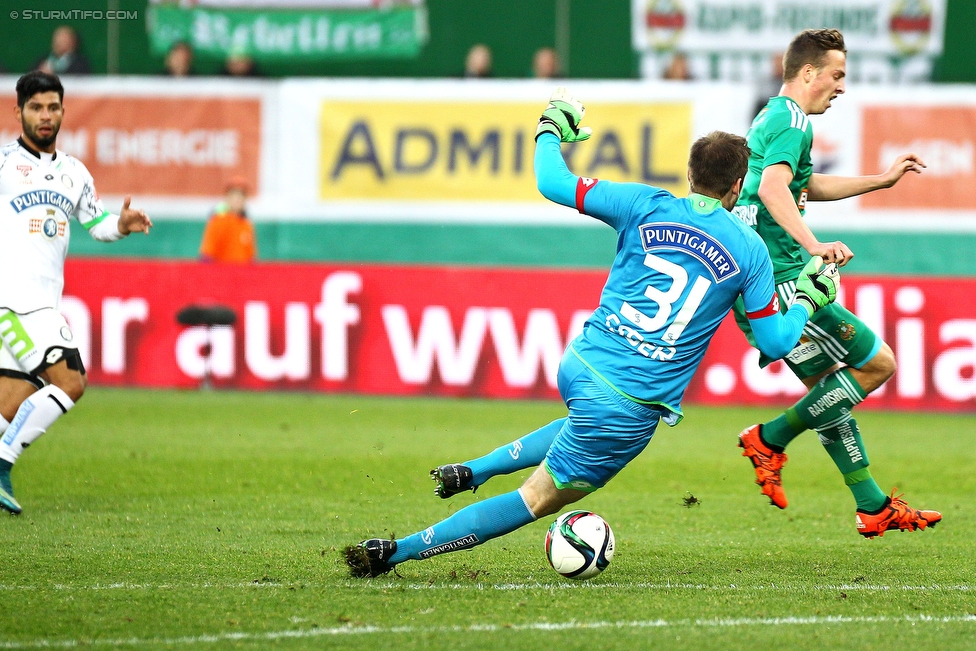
<point>278,35</point>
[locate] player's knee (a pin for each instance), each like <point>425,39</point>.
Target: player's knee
<point>540,496</point>
<point>73,385</point>
<point>883,364</point>
<point>548,502</point>
<point>877,371</point>
<point>541,503</point>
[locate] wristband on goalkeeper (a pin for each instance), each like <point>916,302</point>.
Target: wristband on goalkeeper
<point>562,118</point>
<point>817,285</point>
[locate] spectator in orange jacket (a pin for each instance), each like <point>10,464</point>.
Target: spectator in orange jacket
<point>229,235</point>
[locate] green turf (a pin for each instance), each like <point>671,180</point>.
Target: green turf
<point>214,520</point>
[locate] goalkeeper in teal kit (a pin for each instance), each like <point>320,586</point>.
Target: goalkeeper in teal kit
<point>680,266</point>
<point>839,358</point>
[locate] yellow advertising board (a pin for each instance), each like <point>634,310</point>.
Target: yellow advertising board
<point>482,150</point>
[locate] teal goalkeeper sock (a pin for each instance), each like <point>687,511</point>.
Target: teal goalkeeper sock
<point>472,525</point>
<point>5,467</point>
<point>526,452</point>
<point>829,402</point>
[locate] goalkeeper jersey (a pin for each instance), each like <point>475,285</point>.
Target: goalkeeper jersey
<point>680,265</point>
<point>780,134</point>
<point>39,193</point>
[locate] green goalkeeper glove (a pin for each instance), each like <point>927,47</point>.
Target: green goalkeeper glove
<point>817,285</point>
<point>562,118</point>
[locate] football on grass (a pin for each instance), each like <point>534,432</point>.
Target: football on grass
<point>579,545</point>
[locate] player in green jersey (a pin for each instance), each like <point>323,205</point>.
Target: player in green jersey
<point>839,359</point>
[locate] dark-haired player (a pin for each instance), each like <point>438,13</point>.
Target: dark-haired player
<point>41,188</point>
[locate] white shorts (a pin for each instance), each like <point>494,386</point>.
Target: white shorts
<point>34,341</point>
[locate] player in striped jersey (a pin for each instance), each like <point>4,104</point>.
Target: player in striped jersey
<point>839,358</point>
<point>41,188</point>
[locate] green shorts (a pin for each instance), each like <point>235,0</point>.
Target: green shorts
<point>833,335</point>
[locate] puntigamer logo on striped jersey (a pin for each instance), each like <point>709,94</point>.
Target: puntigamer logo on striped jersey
<point>42,198</point>
<point>679,237</point>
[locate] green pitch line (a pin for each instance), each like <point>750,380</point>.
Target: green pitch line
<point>924,254</point>
<point>165,519</point>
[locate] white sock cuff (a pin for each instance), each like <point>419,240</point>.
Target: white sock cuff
<point>522,495</point>
<point>58,396</point>
<point>6,453</point>
<point>34,416</point>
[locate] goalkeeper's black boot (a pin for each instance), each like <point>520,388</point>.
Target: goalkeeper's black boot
<point>370,557</point>
<point>452,479</point>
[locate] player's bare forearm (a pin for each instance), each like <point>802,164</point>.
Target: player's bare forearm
<point>828,187</point>
<point>824,187</point>
<point>774,192</point>
<point>791,222</point>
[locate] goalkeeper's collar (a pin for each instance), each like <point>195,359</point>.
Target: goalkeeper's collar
<point>704,204</point>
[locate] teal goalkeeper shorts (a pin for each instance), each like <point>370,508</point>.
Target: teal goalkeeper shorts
<point>834,335</point>
<point>603,433</point>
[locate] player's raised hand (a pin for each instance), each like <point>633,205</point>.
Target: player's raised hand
<point>562,117</point>
<point>132,220</point>
<point>902,165</point>
<point>817,285</point>
<point>832,253</point>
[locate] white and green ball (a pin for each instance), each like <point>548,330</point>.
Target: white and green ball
<point>579,545</point>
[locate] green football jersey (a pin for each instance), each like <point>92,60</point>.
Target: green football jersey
<point>781,133</point>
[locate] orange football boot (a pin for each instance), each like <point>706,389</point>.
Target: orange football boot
<point>895,515</point>
<point>766,463</point>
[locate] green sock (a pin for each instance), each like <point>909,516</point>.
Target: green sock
<point>844,445</point>
<point>778,432</point>
<point>827,409</point>
<point>868,495</point>
<point>829,402</point>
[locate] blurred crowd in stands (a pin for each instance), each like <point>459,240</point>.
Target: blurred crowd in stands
<point>478,63</point>
<point>66,57</point>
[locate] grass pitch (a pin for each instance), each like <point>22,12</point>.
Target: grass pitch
<point>215,520</point>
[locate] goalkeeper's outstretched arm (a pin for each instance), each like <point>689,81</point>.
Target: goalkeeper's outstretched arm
<point>552,177</point>
<point>605,200</point>
<point>777,334</point>
<point>816,287</point>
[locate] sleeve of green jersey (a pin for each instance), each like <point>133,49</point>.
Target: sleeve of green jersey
<point>784,144</point>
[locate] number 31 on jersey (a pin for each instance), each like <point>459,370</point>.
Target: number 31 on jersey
<point>666,300</point>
